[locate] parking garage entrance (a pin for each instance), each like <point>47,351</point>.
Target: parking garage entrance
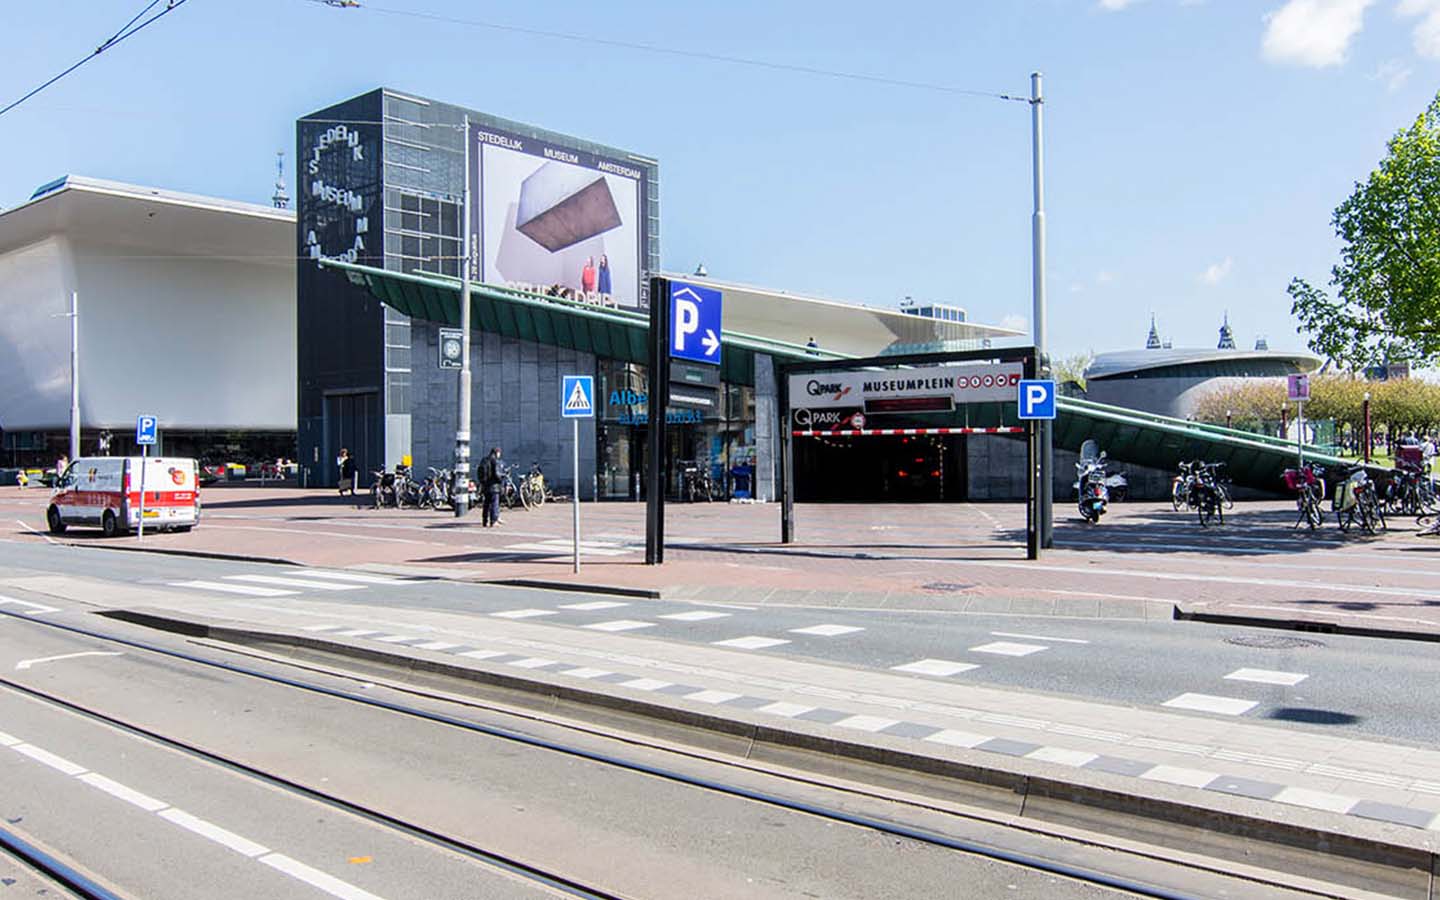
<point>895,429</point>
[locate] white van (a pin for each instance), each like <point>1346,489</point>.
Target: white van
<point>105,491</point>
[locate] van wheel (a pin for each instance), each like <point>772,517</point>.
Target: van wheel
<point>109,525</point>
<point>52,518</point>
<point>182,528</point>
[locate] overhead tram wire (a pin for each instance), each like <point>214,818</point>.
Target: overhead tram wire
<point>592,40</point>
<point>129,29</point>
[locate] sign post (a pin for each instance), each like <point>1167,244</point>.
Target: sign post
<point>1036,404</point>
<point>145,432</point>
<point>577,401</point>
<point>1299,391</point>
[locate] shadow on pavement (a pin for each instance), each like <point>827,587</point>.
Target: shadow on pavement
<point>1308,716</point>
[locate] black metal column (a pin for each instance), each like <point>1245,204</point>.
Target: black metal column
<point>658,383</point>
<point>787,458</point>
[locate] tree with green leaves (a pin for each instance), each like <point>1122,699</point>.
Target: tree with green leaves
<point>1072,368</point>
<point>1387,283</point>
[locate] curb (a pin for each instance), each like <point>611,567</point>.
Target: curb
<point>609,590</point>
<point>1312,626</point>
<point>1373,858</point>
<point>197,554</point>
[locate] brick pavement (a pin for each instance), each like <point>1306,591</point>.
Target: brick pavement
<point>1144,559</point>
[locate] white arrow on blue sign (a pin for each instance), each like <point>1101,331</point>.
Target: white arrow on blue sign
<point>695,317</point>
<point>146,428</point>
<point>577,397</point>
<point>1037,399</point>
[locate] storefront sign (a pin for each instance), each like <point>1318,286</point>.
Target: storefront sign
<point>924,389</point>
<point>807,419</point>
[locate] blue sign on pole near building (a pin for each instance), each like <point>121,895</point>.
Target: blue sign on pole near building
<point>146,428</point>
<point>1037,399</point>
<point>577,397</point>
<point>695,316</point>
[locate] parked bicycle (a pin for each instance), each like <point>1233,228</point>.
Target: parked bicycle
<point>382,489</point>
<point>534,489</point>
<point>1308,483</point>
<point>509,489</point>
<point>696,482</point>
<point>1408,491</point>
<point>1208,495</point>
<point>1356,501</point>
<point>1180,487</point>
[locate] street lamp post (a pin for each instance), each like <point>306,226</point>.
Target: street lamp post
<point>1037,238</point>
<point>74,316</point>
<point>460,486</point>
<point>1365,430</point>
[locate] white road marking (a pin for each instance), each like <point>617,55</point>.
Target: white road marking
<point>397,638</point>
<point>827,630</point>
<point>129,795</point>
<point>1267,676</point>
<point>712,696</point>
<point>436,645</point>
<point>698,615</point>
<point>213,832</point>
<point>1224,706</point>
<point>645,684</point>
<point>245,589</point>
<point>1179,775</point>
<point>483,654</point>
<point>1008,648</point>
<point>584,672</point>
<point>785,710</point>
<point>295,582</point>
<point>356,632</point>
<point>558,548</point>
<point>531,662</point>
<point>865,723</point>
<point>27,663</point>
<point>940,668</point>
<point>953,738</point>
<point>1074,758</point>
<point>32,530</point>
<point>620,625</point>
<point>8,740</point>
<point>59,763</point>
<point>361,577</point>
<point>594,605</point>
<point>753,642</point>
<point>316,878</point>
<point>321,627</point>
<point>1315,799</point>
<point>36,609</point>
<point>523,613</point>
<point>1038,637</point>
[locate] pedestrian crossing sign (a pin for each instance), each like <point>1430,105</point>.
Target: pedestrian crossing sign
<point>577,397</point>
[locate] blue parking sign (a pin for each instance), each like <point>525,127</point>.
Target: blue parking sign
<point>695,319</point>
<point>146,428</point>
<point>1037,398</point>
<point>577,397</point>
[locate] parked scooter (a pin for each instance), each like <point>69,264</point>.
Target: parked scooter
<point>1092,483</point>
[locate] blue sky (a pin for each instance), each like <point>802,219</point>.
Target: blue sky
<point>1195,148</point>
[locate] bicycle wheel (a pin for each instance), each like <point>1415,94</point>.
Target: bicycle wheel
<point>375,495</point>
<point>1206,509</point>
<point>527,494</point>
<point>537,491</point>
<point>1177,494</point>
<point>1313,515</point>
<point>1367,508</point>
<point>1225,498</point>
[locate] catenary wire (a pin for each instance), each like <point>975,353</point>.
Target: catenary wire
<point>129,29</point>
<point>675,51</point>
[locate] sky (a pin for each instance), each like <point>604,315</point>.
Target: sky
<point>1195,149</point>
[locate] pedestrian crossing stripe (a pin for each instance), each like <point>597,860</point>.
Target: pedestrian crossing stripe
<point>578,396</point>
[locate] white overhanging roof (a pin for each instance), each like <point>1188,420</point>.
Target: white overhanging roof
<point>1133,362</point>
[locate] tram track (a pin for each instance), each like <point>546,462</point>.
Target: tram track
<point>513,866</point>
<point>46,867</point>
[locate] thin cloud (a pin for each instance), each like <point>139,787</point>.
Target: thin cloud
<point>1427,31</point>
<point>1314,33</point>
<point>1116,5</point>
<point>1104,277</point>
<point>1217,272</point>
<point>1393,74</point>
<point>1015,323</point>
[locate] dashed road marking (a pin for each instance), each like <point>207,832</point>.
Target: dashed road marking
<point>620,625</point>
<point>129,795</point>
<point>1074,758</point>
<point>827,630</point>
<point>711,696</point>
<point>699,615</point>
<point>954,738</point>
<point>1224,706</point>
<point>211,831</point>
<point>645,684</point>
<point>316,878</point>
<point>940,668</point>
<point>752,642</point>
<point>36,609</point>
<point>866,723</point>
<point>1008,648</point>
<point>323,628</point>
<point>585,672</point>
<point>397,638</point>
<point>1316,799</point>
<point>482,654</point>
<point>786,710</point>
<point>356,632</point>
<point>531,662</point>
<point>437,645</point>
<point>59,763</point>
<point>247,590</point>
<point>1038,637</point>
<point>303,583</point>
<point>361,577</point>
<point>1267,676</point>
<point>523,613</point>
<point>594,605</point>
<point>1179,775</point>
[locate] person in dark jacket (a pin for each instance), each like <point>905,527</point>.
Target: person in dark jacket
<point>347,472</point>
<point>489,474</point>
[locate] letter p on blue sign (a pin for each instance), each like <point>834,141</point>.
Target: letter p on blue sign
<point>1037,399</point>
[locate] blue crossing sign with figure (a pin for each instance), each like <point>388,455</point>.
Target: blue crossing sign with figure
<point>146,428</point>
<point>1037,399</point>
<point>577,397</point>
<point>695,316</point>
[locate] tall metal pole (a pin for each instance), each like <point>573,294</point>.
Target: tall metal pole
<point>74,374</point>
<point>575,495</point>
<point>1037,238</point>
<point>461,483</point>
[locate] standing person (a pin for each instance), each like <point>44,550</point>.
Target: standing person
<point>1428,451</point>
<point>604,283</point>
<point>347,472</point>
<point>61,465</point>
<point>587,276</point>
<point>489,477</point>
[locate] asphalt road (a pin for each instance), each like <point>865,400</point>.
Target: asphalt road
<point>1327,683</point>
<point>158,822</point>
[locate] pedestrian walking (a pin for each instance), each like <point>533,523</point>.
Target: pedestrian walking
<point>61,465</point>
<point>489,474</point>
<point>347,472</point>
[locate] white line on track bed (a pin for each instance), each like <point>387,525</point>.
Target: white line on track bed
<point>222,587</point>
<point>1223,706</point>
<point>1038,637</point>
<point>296,582</point>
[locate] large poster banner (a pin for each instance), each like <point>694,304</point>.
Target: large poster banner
<point>556,221</point>
<point>923,389</point>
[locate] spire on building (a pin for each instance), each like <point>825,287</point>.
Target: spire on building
<point>1227,337</point>
<point>281,197</point>
<point>1153,341</point>
<point>1261,343</point>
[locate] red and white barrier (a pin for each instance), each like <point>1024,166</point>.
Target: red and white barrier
<point>887,432</point>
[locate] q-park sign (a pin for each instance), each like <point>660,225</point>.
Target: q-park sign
<point>695,316</point>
